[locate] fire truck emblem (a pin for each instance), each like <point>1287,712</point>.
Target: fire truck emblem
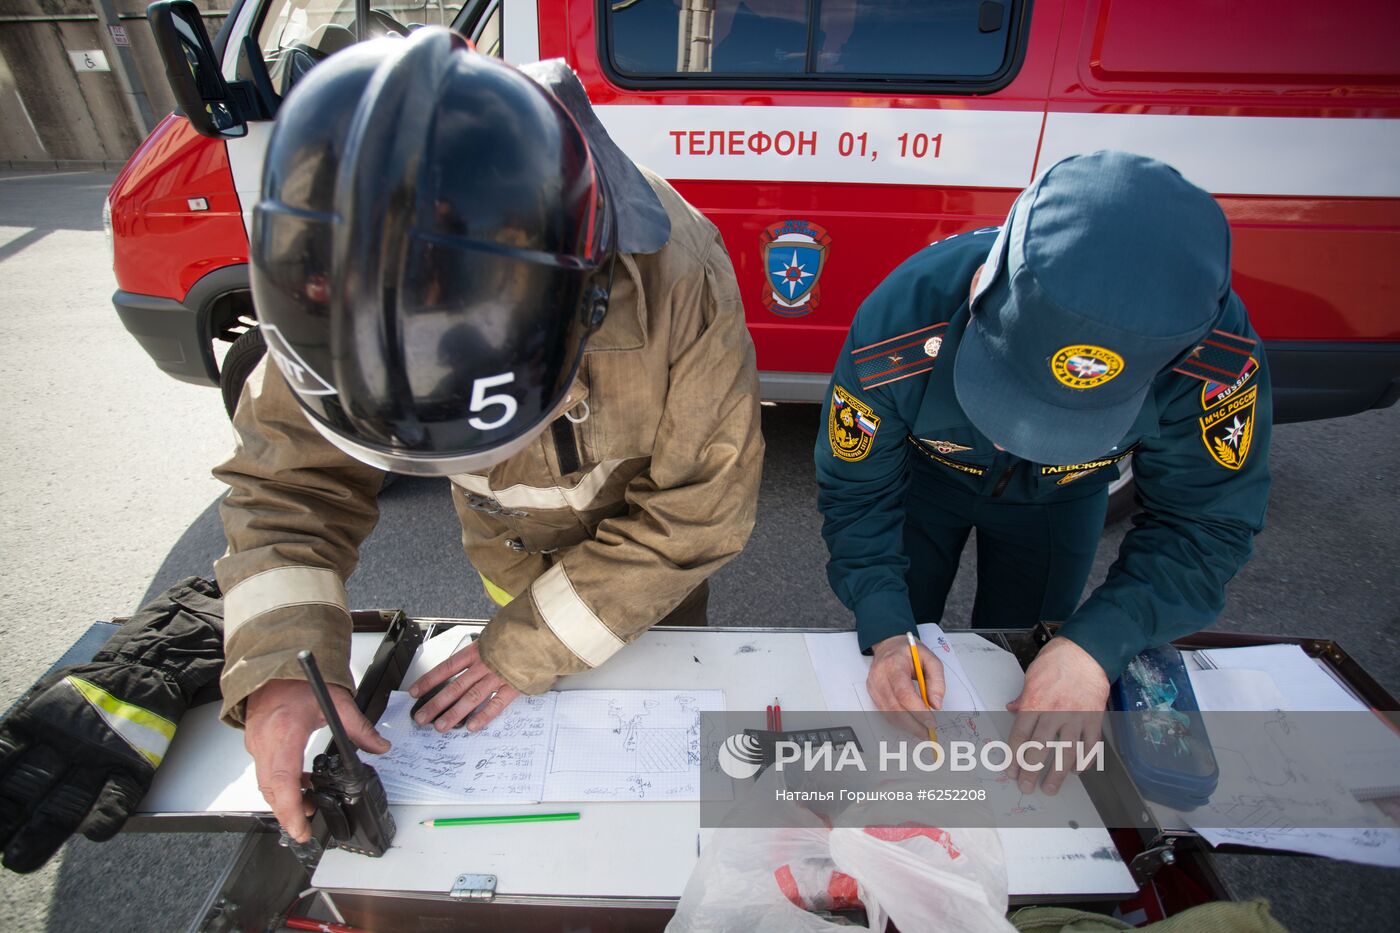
<point>794,254</point>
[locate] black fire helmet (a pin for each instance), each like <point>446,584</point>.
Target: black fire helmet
<point>432,248</point>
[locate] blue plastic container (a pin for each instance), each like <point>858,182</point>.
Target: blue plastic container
<point>1164,741</point>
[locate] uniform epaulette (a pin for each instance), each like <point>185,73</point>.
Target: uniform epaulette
<point>910,354</point>
<point>1219,357</point>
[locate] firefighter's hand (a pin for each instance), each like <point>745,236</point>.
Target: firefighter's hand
<point>895,689</point>
<point>477,694</point>
<point>280,718</point>
<point>1062,700</point>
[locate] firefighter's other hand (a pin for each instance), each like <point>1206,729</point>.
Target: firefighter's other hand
<point>895,688</point>
<point>280,718</point>
<point>1062,700</point>
<point>471,691</point>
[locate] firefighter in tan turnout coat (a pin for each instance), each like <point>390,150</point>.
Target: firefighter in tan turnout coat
<point>504,299</point>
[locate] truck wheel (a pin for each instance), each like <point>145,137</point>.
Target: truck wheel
<point>240,361</point>
<point>1122,500</point>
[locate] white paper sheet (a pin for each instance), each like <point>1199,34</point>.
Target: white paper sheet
<point>1278,780</point>
<point>628,744</point>
<point>842,669</point>
<point>437,649</point>
<point>1229,689</point>
<point>1303,685</point>
<point>558,746</point>
<point>1049,859</point>
<point>503,763</point>
<point>1366,846</point>
<point>1365,753</point>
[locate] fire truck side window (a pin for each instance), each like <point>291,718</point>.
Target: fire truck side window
<point>487,33</point>
<point>950,40</point>
<point>295,35</point>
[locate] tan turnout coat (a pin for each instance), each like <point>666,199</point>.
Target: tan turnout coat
<point>583,562</point>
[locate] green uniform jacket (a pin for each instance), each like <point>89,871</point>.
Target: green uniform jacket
<point>1199,454</point>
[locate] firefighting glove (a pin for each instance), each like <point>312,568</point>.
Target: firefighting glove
<point>79,750</point>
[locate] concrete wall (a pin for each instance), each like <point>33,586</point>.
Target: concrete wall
<point>51,115</point>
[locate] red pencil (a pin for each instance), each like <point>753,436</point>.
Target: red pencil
<point>777,716</point>
<point>768,720</point>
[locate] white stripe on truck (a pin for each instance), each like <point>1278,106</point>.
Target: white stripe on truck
<point>996,149</point>
<point>1245,155</point>
<point>859,145</point>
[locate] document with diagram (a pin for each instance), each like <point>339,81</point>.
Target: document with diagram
<point>559,746</point>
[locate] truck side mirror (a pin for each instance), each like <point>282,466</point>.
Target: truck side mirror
<point>214,107</point>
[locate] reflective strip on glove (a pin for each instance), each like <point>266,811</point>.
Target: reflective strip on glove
<point>142,729</point>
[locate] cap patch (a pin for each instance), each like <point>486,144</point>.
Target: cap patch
<point>1228,430</point>
<point>1084,366</point>
<point>850,426</point>
<point>899,357</point>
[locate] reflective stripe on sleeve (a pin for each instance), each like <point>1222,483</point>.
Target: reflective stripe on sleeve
<point>148,733</point>
<point>498,596</point>
<point>570,619</point>
<point>578,497</point>
<point>279,588</point>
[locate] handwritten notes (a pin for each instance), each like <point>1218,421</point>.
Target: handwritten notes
<point>503,763</point>
<point>559,746</point>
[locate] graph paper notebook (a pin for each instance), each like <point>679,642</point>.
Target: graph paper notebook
<point>560,746</point>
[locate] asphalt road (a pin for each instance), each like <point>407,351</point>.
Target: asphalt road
<point>107,498</point>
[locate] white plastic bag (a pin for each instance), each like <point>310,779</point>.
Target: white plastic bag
<point>927,879</point>
<point>745,879</point>
<point>924,878</point>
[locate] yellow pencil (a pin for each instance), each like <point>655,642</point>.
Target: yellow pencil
<point>923,687</point>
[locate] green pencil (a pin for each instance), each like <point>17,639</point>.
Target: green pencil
<point>514,818</point>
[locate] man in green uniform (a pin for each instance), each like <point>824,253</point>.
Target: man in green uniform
<point>996,380</point>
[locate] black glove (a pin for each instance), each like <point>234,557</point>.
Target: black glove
<point>78,751</point>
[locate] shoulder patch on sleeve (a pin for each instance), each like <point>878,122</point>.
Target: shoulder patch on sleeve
<point>1219,357</point>
<point>1213,393</point>
<point>910,354</point>
<point>1228,430</point>
<point>850,426</point>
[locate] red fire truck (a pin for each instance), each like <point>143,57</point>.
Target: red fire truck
<point>829,140</point>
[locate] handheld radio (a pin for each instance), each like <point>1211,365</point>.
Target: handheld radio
<point>346,791</point>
